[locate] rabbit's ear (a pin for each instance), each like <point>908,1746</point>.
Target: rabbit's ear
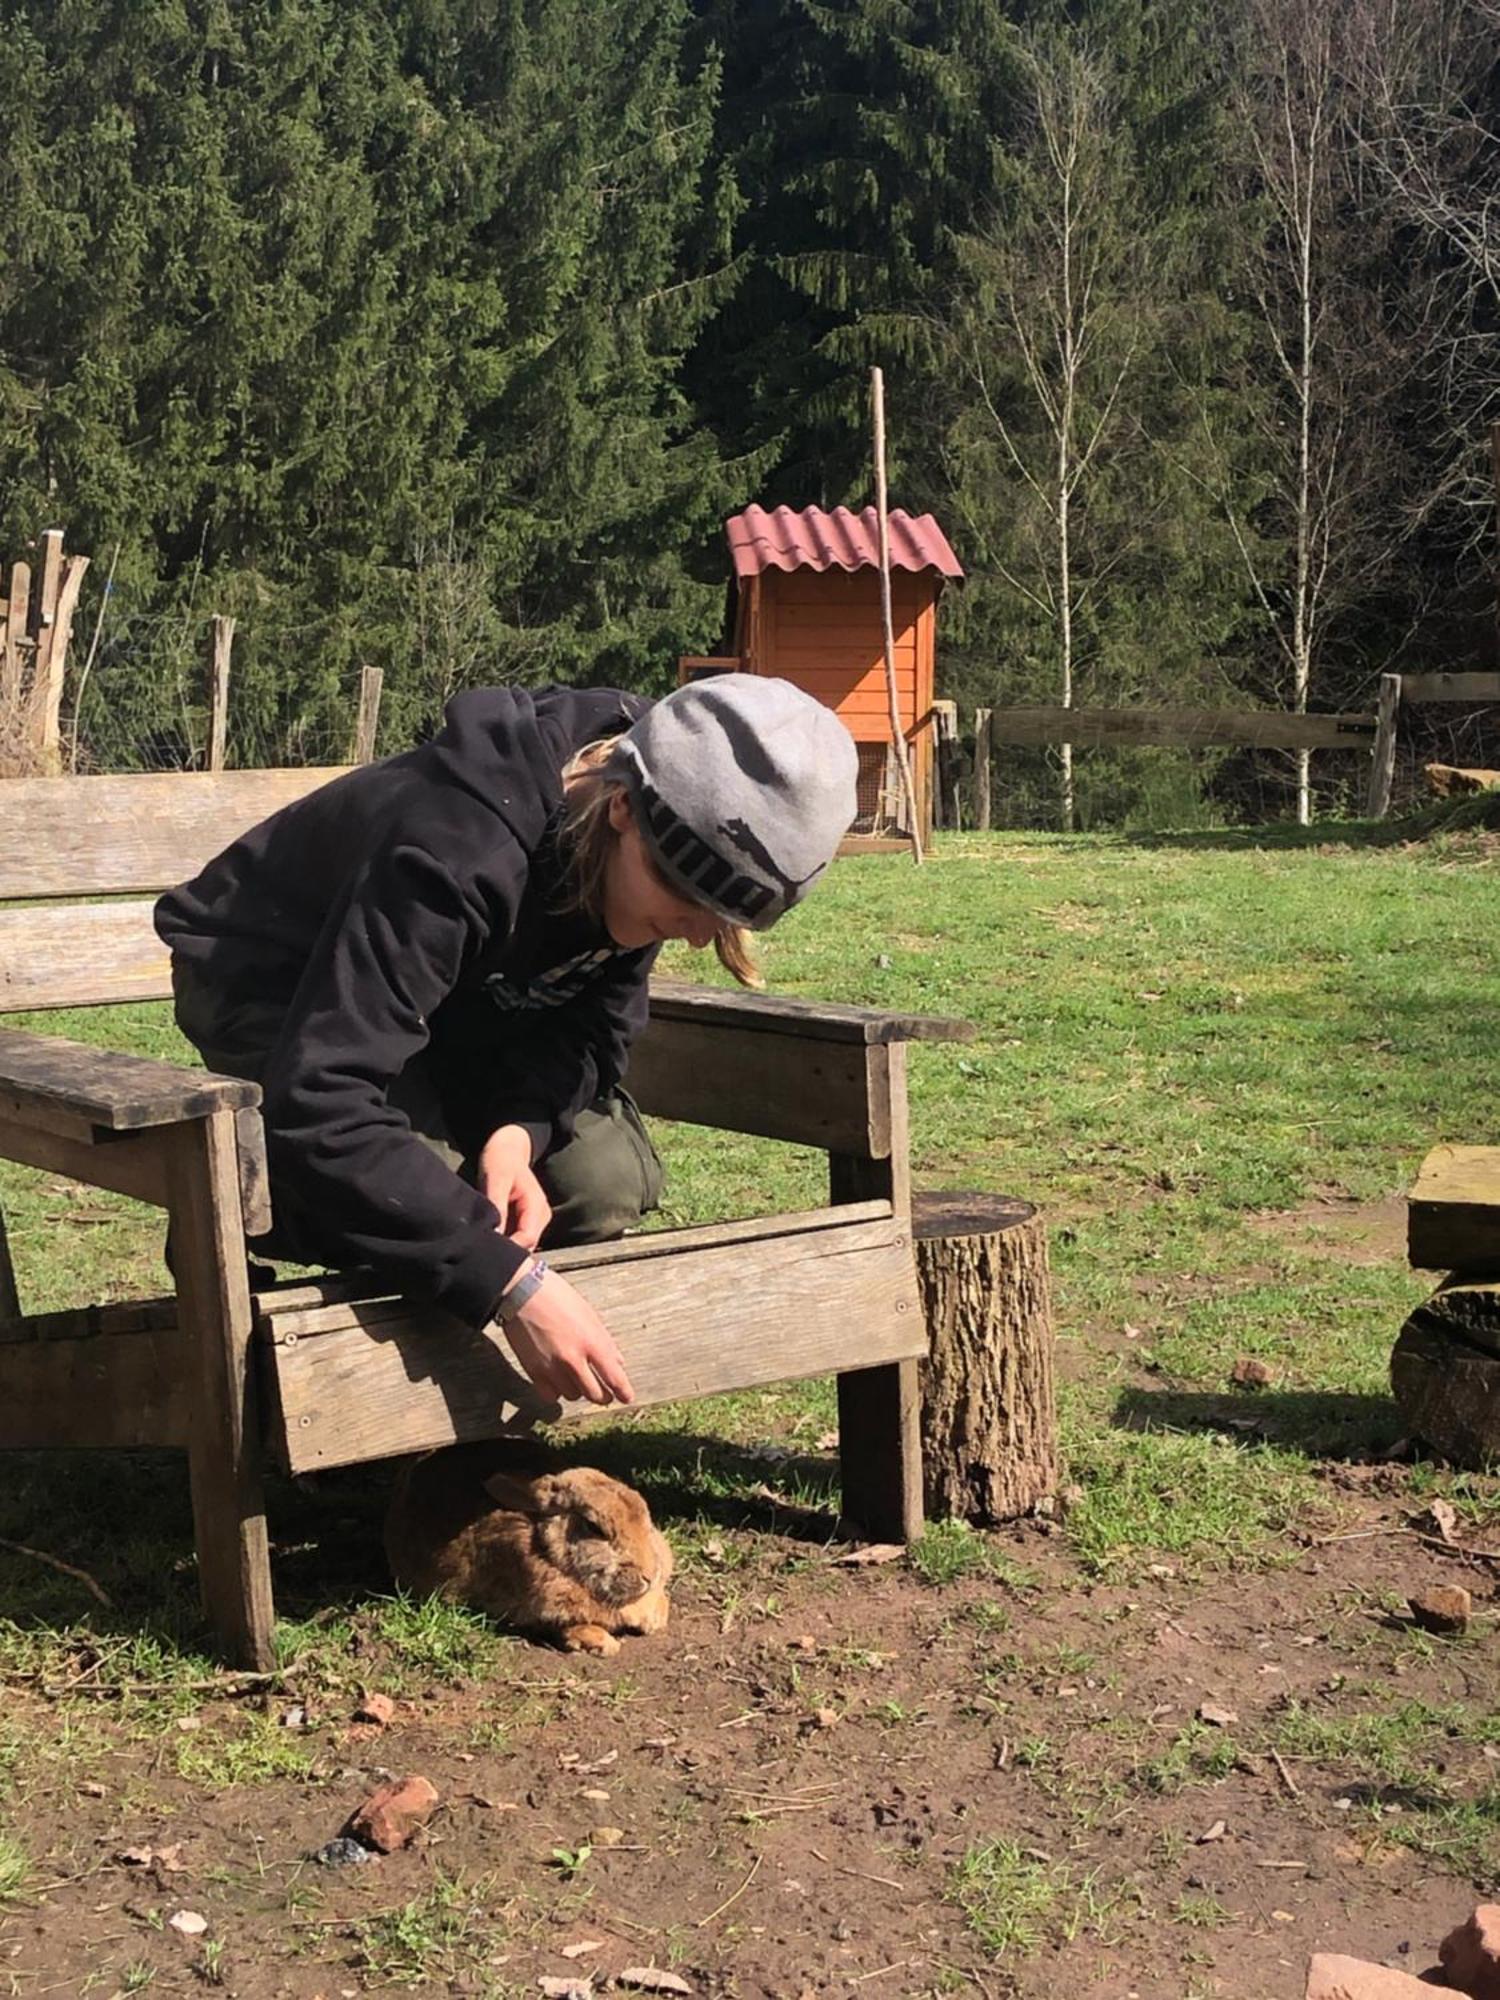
<point>517,1496</point>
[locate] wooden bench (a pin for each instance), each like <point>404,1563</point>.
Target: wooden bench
<point>327,1373</point>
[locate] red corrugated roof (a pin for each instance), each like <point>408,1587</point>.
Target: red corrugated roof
<point>810,538</point>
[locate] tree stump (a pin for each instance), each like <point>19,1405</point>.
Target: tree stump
<point>1445,1371</point>
<point>989,1427</point>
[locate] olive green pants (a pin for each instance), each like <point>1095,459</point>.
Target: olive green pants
<point>600,1183</point>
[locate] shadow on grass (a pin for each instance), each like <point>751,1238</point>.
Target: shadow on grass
<point>124,1520</point>
<point>1322,1424</point>
<point>1450,816</point>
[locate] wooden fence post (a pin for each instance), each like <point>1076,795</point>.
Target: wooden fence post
<point>370,681</point>
<point>982,769</point>
<point>12,673</point>
<point>218,690</point>
<point>1383,755</point>
<point>945,728</point>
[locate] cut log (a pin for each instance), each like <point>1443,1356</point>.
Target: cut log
<point>989,1427</point>
<point>1456,781</point>
<point>1453,1212</point>
<point>1445,1371</point>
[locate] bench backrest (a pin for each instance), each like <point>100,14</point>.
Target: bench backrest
<point>122,838</point>
<point>816,1074</point>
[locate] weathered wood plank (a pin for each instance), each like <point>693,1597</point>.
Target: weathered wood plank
<point>880,1434</point>
<point>126,1391</point>
<point>1453,1211</point>
<point>221,652</point>
<point>110,836</point>
<point>17,620</point>
<point>302,1305</point>
<point>80,955</point>
<point>50,693</point>
<point>1181,728</point>
<point>1383,754</point>
<point>44,1077</point>
<point>731,1317</point>
<point>812,1093</point>
<point>367,720</point>
<point>229,1518</point>
<point>130,1163</point>
<point>1450,687</point>
<point>10,1298</point>
<point>778,1014</point>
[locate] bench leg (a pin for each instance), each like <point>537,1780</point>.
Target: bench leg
<point>880,1409</point>
<point>880,1450</point>
<point>229,1519</point>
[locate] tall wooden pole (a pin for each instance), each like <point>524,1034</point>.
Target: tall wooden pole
<point>218,690</point>
<point>892,694</point>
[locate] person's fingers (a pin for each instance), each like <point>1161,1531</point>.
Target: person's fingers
<point>530,1211</point>
<point>608,1366</point>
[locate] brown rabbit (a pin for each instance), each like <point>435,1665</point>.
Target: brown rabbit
<point>569,1554</point>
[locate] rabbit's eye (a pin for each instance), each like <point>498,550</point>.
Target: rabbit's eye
<point>589,1531</point>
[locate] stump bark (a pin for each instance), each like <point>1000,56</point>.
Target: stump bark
<point>1445,1372</point>
<point>989,1426</point>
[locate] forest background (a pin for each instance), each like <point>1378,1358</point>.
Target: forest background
<point>442,335</point>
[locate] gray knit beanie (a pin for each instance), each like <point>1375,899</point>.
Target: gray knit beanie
<point>743,788</point>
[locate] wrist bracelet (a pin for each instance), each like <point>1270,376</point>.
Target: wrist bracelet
<point>521,1292</point>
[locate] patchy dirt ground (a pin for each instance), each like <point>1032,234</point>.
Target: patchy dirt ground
<point>821,1780</point>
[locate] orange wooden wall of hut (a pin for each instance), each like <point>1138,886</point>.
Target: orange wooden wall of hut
<point>808,610</point>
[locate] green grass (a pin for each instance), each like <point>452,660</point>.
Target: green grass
<point>1177,1039</point>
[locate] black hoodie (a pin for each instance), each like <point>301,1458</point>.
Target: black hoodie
<point>411,905</point>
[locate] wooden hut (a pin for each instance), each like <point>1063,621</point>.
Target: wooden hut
<point>807,608</point>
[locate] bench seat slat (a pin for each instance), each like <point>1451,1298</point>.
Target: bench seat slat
<point>388,1378</point>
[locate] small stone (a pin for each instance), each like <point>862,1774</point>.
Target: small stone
<point>1446,1607</point>
<point>1216,1717</point>
<point>1332,1977</point>
<point>570,1987</point>
<point>1250,1372</point>
<point>189,1923</point>
<point>1470,1955</point>
<point>1215,1832</point>
<point>388,1818</point>
<point>607,1836</point>
<point>651,1979</point>
<point>376,1708</point>
<point>344,1852</point>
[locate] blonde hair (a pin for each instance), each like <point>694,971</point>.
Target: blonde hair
<point>586,838</point>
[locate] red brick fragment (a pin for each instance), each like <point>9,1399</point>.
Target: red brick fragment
<point>1470,1955</point>
<point>388,1818</point>
<point>1330,1977</point>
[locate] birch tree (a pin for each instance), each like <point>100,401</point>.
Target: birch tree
<point>1046,334</point>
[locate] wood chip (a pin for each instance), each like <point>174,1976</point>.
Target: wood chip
<point>583,1948</point>
<point>566,1988</point>
<point>1215,1832</point>
<point>651,1979</point>
<point>1442,1519</point>
<point>869,1555</point>
<point>1216,1717</point>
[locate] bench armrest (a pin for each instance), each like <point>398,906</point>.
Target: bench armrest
<point>56,1084</point>
<point>820,1020</point>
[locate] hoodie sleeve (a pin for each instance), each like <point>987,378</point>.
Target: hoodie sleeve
<point>555,1061</point>
<point>361,1187</point>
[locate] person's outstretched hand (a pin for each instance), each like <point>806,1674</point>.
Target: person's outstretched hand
<point>506,1179</point>
<point>565,1348</point>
